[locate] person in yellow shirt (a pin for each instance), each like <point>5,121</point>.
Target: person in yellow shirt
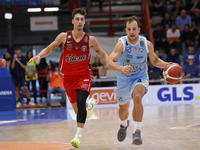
<point>31,74</point>
<point>55,78</point>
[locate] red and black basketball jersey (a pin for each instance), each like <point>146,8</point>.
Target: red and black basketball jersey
<point>75,58</point>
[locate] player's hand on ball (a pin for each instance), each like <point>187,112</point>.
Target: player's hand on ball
<point>2,63</point>
<point>126,70</point>
<point>34,59</point>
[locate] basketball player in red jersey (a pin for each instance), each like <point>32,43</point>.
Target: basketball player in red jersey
<point>75,65</point>
<point>2,63</point>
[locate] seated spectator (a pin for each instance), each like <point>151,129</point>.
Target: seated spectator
<point>7,57</point>
<point>186,36</point>
<point>177,9</point>
<point>154,73</point>
<point>173,38</point>
<point>182,20</point>
<point>56,80</point>
<point>158,54</point>
<point>173,56</point>
<point>95,66</point>
<point>191,70</point>
<point>196,5</point>
<point>191,52</point>
<point>156,5</point>
<point>170,5</point>
<point>104,72</point>
<point>166,21</point>
<point>159,36</point>
<point>196,18</point>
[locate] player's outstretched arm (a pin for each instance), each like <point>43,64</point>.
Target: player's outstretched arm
<point>97,48</point>
<point>2,63</point>
<point>154,58</point>
<point>114,56</point>
<point>60,39</point>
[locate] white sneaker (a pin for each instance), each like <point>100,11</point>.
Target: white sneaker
<point>31,104</point>
<point>76,141</point>
<point>90,111</point>
<point>18,104</point>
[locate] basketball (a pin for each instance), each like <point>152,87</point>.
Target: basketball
<point>172,73</point>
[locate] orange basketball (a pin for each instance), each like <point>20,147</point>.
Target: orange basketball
<point>172,73</point>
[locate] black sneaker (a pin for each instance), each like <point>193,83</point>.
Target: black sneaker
<point>121,135</point>
<point>137,137</point>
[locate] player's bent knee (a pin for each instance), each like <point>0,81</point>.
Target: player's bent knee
<point>137,99</point>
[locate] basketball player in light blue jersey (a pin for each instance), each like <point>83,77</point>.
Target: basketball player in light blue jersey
<point>131,53</point>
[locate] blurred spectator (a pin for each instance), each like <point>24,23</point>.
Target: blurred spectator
<point>170,5</point>
<point>173,37</point>
<point>158,54</point>
<point>177,9</point>
<point>196,5</point>
<point>17,70</point>
<point>191,70</point>
<point>31,74</point>
<point>104,72</point>
<point>7,57</point>
<point>160,37</point>
<point>42,69</point>
<point>191,52</point>
<point>95,66</point>
<point>173,56</point>
<point>182,20</point>
<point>154,73</point>
<point>56,80</point>
<point>156,5</point>
<point>186,37</point>
<point>166,21</point>
<point>196,18</point>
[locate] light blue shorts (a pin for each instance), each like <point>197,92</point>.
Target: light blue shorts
<point>125,88</point>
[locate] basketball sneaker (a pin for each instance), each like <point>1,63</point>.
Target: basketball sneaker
<point>121,135</point>
<point>76,141</point>
<point>90,111</point>
<point>137,137</point>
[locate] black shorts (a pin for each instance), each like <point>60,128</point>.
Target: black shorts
<point>21,83</point>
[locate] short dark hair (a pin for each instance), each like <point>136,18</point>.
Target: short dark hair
<point>133,18</point>
<point>78,11</point>
<point>17,47</point>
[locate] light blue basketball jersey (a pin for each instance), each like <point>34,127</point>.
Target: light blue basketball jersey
<point>135,56</point>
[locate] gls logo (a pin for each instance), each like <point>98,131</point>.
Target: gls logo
<point>173,96</point>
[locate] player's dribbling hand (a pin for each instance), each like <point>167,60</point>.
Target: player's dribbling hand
<point>2,63</point>
<point>126,70</point>
<point>34,59</point>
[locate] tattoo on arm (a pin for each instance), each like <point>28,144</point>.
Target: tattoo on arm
<point>97,51</point>
<point>54,47</point>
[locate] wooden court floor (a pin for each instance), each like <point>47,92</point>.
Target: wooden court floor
<point>163,128</point>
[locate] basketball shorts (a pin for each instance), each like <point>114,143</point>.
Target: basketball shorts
<point>21,82</point>
<point>72,83</point>
<point>125,88</point>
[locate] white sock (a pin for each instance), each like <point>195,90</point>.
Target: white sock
<point>124,122</point>
<point>79,131</point>
<point>89,105</point>
<point>137,125</point>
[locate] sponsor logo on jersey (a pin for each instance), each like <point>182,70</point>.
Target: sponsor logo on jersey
<point>141,49</point>
<point>76,47</point>
<point>73,58</point>
<point>69,47</point>
<point>86,39</point>
<point>84,85</point>
<point>128,49</point>
<point>84,48</point>
<point>120,99</point>
<point>69,37</point>
<point>139,80</point>
<point>139,57</point>
<point>134,49</point>
<point>141,43</point>
<point>69,41</point>
<point>128,57</point>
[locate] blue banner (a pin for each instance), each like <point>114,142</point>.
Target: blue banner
<point>28,2</point>
<point>7,92</point>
